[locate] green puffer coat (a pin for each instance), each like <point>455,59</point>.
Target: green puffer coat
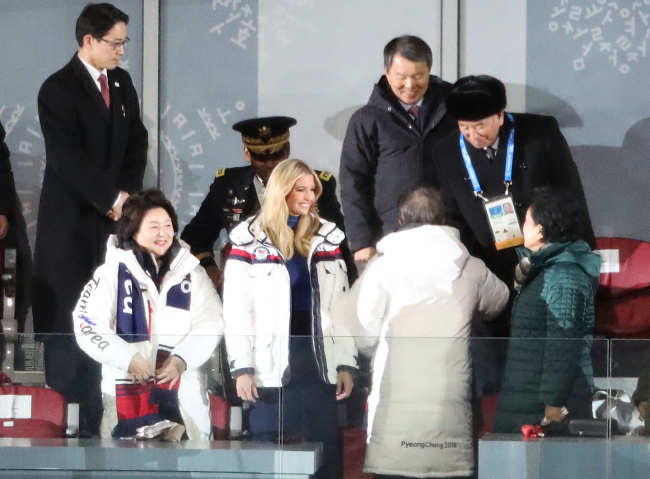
<point>549,360</point>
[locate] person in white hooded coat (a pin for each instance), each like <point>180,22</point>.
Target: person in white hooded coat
<point>152,317</point>
<point>292,361</point>
<point>415,304</point>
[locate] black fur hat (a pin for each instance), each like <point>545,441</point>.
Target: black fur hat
<point>473,98</point>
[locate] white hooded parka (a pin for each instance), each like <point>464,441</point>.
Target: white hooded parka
<point>191,333</point>
<point>415,304</point>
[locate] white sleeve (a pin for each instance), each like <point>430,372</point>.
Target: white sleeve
<point>346,350</point>
<point>372,306</point>
<point>94,320</point>
<point>238,312</point>
<point>207,322</point>
<point>493,293</point>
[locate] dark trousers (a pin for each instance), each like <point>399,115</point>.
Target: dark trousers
<point>384,476</point>
<point>305,409</point>
<point>71,372</point>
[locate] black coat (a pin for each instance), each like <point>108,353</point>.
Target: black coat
<point>16,237</point>
<point>235,185</point>
<point>541,158</point>
<point>385,154</point>
<point>8,198</point>
<point>92,153</point>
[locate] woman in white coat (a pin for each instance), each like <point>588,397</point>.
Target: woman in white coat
<point>292,363</point>
<point>151,316</point>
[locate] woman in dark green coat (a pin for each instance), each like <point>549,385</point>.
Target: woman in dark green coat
<point>548,370</point>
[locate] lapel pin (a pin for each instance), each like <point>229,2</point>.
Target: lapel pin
<point>117,84</point>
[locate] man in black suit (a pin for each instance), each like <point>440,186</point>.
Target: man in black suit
<point>96,148</point>
<point>235,193</point>
<point>8,205</point>
<point>389,142</point>
<point>540,157</point>
<point>8,197</point>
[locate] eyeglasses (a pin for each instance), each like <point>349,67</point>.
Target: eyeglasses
<point>115,45</point>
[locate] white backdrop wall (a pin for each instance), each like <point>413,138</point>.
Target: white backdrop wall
<point>585,62</point>
<point>492,42</point>
<point>323,67</point>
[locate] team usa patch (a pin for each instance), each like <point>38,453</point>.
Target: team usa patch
<point>261,253</point>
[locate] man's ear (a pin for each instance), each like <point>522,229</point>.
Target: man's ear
<point>87,41</point>
<point>247,154</point>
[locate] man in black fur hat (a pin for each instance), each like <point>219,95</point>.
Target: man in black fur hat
<point>540,157</point>
<point>472,168</point>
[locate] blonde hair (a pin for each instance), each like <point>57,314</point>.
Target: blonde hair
<point>275,212</point>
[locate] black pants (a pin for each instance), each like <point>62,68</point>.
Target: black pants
<point>304,409</point>
<point>71,372</point>
<point>384,476</point>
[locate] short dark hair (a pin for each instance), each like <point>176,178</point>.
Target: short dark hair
<point>135,209</point>
<point>97,19</point>
<point>422,205</point>
<point>560,214</point>
<point>473,98</point>
<point>281,154</point>
<point>412,48</point>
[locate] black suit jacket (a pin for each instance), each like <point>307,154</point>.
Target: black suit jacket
<point>8,198</point>
<point>91,153</point>
<point>541,158</point>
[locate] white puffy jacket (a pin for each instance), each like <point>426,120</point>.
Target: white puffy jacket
<point>257,305</point>
<point>191,334</point>
<point>414,304</point>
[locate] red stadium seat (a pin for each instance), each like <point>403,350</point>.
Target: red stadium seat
<point>43,418</point>
<point>623,298</point>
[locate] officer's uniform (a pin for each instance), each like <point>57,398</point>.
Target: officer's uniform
<point>233,198</point>
<point>235,193</point>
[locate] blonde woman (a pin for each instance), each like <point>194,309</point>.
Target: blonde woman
<point>292,363</point>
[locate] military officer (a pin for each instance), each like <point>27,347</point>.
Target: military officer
<point>236,193</point>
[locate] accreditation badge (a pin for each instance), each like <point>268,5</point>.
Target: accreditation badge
<point>504,223</point>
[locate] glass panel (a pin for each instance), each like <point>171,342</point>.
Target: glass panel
<point>414,398</point>
<point>40,428</point>
<point>413,395</point>
<point>630,366</point>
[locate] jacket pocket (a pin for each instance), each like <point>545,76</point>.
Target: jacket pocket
<point>263,288</point>
<point>328,277</point>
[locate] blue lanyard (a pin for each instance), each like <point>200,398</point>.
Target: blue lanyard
<point>510,153</point>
